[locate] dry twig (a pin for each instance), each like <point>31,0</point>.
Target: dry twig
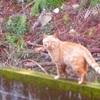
<point>36,64</point>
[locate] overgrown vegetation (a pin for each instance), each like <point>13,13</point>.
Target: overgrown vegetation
<point>15,40</point>
<point>94,2</point>
<point>43,4</point>
<point>18,42</point>
<point>17,24</point>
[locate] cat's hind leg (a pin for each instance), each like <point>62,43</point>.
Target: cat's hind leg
<point>82,72</point>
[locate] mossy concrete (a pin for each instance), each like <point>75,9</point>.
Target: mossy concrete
<point>40,80</point>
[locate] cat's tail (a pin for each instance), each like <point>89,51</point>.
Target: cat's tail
<point>90,60</point>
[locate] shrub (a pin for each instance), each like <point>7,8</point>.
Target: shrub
<point>15,41</point>
<point>17,24</point>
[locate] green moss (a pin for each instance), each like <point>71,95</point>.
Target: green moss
<point>41,80</point>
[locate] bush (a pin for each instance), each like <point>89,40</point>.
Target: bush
<point>15,41</point>
<point>17,24</point>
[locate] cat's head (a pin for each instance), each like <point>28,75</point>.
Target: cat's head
<point>50,42</point>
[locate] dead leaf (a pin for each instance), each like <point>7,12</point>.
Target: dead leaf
<point>46,19</point>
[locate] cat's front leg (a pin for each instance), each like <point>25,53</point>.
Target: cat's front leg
<point>59,72</point>
<point>57,77</point>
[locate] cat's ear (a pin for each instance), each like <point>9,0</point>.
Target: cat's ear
<point>55,35</point>
<point>44,35</point>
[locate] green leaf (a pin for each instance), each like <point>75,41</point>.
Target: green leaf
<point>39,4</point>
<point>94,2</point>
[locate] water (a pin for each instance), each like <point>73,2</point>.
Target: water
<point>18,91</point>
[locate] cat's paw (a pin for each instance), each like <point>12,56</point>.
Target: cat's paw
<point>80,82</point>
<point>56,77</point>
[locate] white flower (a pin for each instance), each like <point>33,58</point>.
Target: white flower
<point>56,10</point>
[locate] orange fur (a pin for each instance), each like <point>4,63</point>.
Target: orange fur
<point>69,53</point>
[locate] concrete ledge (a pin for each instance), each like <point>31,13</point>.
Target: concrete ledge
<point>41,80</point>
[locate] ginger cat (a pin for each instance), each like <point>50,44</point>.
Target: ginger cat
<point>69,53</point>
